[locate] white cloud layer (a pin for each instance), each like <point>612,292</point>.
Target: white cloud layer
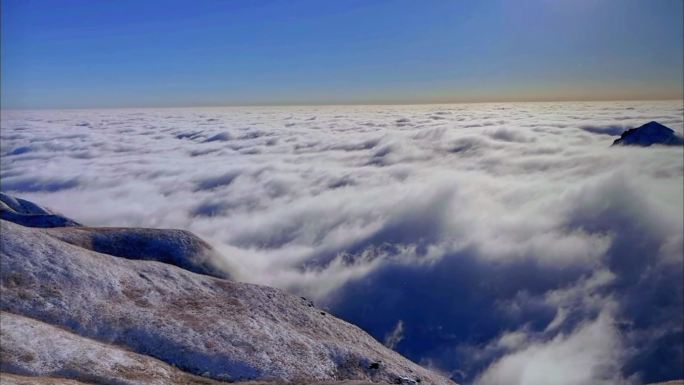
<point>590,355</point>
<point>312,199</point>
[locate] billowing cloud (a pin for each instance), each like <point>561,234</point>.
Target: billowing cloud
<point>498,234</point>
<point>589,355</point>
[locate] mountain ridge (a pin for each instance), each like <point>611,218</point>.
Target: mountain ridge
<point>169,320</point>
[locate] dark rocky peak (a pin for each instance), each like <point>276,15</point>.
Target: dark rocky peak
<point>648,134</point>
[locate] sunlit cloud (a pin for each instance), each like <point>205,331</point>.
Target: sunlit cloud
<point>508,235</point>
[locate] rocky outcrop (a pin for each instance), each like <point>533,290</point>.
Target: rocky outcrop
<point>73,308</point>
<point>649,134</point>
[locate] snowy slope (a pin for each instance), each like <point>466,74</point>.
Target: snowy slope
<point>30,214</point>
<point>13,379</point>
<point>200,324</point>
<point>175,247</point>
<point>34,347</point>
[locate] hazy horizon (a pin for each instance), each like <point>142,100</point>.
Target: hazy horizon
<point>152,107</point>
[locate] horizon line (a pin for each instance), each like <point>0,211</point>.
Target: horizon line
<point>346,104</point>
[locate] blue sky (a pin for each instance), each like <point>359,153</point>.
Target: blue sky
<point>70,53</point>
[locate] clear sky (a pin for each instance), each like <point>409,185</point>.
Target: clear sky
<point>140,53</point>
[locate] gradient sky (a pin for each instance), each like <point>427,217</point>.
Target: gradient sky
<point>145,53</point>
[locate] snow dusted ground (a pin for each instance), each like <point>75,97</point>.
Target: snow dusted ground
<point>13,379</point>
<point>103,305</point>
<point>496,235</point>
<point>27,213</point>
<point>177,247</point>
<point>39,349</point>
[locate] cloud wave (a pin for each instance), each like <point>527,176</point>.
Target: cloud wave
<point>495,235</point>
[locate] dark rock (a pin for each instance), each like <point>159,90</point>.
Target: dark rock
<point>648,134</point>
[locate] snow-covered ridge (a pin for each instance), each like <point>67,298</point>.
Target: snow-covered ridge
<point>37,348</point>
<point>72,308</point>
<point>30,214</point>
<point>176,247</point>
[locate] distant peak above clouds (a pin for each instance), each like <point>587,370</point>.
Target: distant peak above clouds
<point>648,134</point>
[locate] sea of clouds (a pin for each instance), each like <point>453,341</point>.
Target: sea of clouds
<point>497,243</point>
